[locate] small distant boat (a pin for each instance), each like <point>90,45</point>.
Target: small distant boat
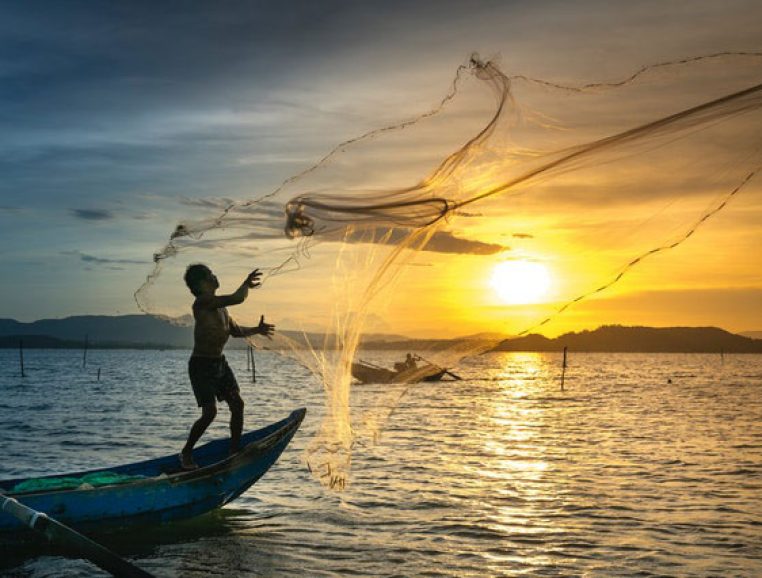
<point>158,491</point>
<point>366,372</point>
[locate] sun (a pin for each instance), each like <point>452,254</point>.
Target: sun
<point>520,282</point>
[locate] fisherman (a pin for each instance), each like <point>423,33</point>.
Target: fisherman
<point>406,365</point>
<point>210,374</point>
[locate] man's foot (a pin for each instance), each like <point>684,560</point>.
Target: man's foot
<point>234,450</point>
<point>186,461</point>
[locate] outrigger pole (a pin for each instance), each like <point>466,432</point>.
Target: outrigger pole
<point>74,542</point>
<point>447,371</point>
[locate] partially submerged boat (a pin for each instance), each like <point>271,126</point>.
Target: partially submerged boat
<point>154,491</point>
<point>366,372</point>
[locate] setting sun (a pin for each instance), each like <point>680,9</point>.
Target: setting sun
<point>520,282</point>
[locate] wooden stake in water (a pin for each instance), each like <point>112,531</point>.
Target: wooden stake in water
<point>253,365</point>
<point>84,353</point>
<point>21,356</point>
<point>563,369</point>
<point>99,374</point>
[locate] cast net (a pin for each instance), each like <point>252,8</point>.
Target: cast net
<point>397,230</point>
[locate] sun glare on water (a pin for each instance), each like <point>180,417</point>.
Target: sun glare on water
<point>520,282</point>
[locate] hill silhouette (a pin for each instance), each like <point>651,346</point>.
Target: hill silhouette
<point>128,331</point>
<point>618,338</point>
<point>102,331</point>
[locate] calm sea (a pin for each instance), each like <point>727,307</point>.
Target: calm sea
<point>502,474</point>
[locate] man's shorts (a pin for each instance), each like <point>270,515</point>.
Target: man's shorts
<point>211,377</point>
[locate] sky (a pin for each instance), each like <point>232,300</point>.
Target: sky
<point>119,120</point>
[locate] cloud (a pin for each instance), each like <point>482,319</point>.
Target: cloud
<point>92,214</point>
<point>220,203</point>
<point>443,242</point>
<point>92,259</point>
<point>440,242</point>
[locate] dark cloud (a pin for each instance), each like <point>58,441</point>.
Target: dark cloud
<point>522,236</point>
<point>220,203</point>
<point>443,242</point>
<point>92,214</point>
<point>92,259</point>
<point>440,242</point>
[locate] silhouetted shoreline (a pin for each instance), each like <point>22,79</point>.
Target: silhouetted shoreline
<point>146,332</point>
<point>620,339</point>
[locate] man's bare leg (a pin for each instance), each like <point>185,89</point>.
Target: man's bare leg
<point>235,403</point>
<point>208,413</point>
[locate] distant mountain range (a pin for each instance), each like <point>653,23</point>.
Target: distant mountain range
<point>616,338</point>
<point>146,332</point>
<point>141,331</point>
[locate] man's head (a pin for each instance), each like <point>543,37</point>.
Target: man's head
<point>200,279</point>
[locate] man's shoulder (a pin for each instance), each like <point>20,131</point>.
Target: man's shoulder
<point>204,302</point>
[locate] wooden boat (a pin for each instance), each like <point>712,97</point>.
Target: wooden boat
<point>165,492</point>
<point>367,373</point>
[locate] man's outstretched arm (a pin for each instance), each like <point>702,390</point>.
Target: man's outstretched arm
<point>252,281</point>
<point>263,328</point>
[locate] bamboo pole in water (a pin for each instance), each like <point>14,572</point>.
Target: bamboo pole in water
<point>563,369</point>
<point>84,353</point>
<point>253,365</point>
<point>21,356</point>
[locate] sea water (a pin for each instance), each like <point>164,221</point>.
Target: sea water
<point>645,464</point>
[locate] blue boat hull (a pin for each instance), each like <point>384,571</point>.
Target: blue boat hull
<point>165,494</point>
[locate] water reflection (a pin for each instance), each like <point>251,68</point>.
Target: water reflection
<point>517,478</point>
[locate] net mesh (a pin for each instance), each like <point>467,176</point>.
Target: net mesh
<point>592,181</point>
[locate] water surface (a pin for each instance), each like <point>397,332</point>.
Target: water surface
<point>501,474</point>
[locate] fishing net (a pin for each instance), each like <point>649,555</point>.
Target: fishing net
<point>88,481</point>
<point>397,230</point>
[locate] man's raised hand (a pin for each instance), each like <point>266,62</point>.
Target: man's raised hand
<point>265,329</point>
<point>253,280</point>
